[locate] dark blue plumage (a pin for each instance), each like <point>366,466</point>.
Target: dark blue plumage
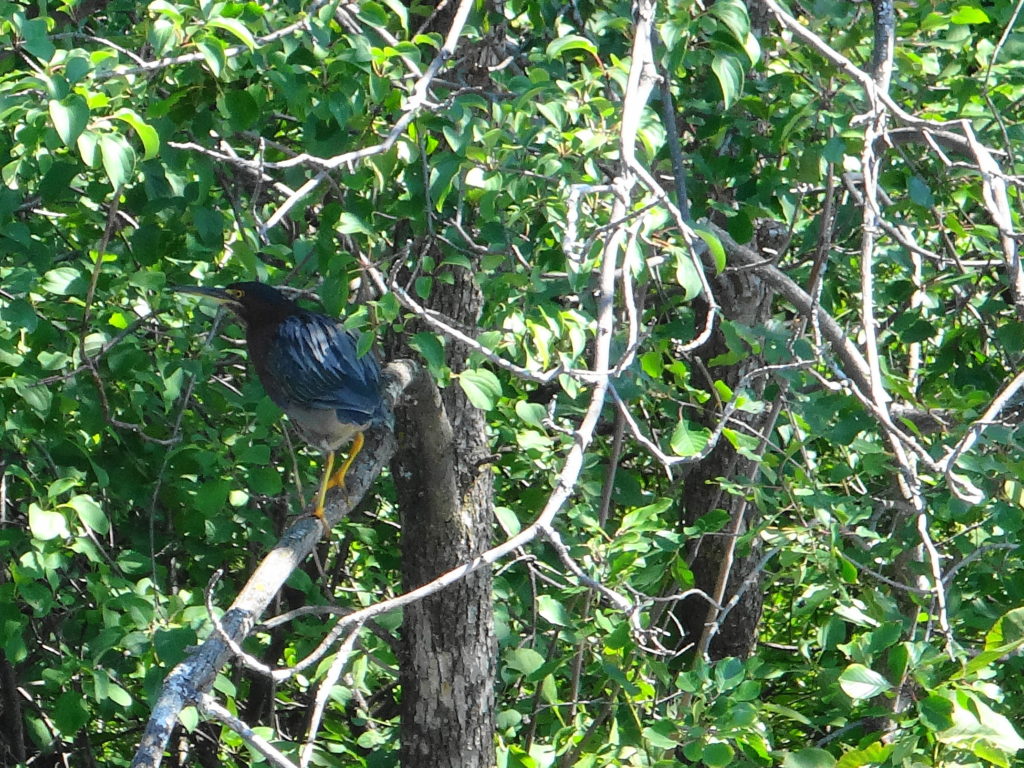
<point>314,361</point>
<point>308,365</point>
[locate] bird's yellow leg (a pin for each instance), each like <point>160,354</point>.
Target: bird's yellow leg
<point>339,476</point>
<point>325,483</point>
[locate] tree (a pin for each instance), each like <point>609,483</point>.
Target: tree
<point>716,311</point>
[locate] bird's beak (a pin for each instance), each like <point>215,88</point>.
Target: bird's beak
<point>216,294</point>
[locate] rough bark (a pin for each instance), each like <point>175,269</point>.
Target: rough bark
<point>444,490</point>
<point>744,299</point>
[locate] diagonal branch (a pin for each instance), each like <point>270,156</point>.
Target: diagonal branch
<point>192,678</point>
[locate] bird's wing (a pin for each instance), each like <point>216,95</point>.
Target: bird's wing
<point>316,365</point>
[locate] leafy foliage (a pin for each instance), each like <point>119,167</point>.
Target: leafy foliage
<point>149,146</point>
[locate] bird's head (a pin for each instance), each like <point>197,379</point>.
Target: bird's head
<point>251,301</point>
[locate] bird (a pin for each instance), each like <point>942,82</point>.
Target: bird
<point>309,366</point>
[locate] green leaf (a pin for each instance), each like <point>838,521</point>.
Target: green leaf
<point>524,660</point>
<point>734,14</point>
<point>664,734</point>
<point>920,193</point>
<point>968,14</point>
<point>39,398</point>
<point>710,522</point>
<point>118,695</point>
<point>936,712</point>
<point>36,38</point>
<point>646,517</point>
<point>859,682</point>
<point>1007,634</point>
<point>865,757</point>
<point>212,496</point>
<point>266,481</point>
<point>549,689</point>
<point>553,611</point>
<point>46,524</point>
<point>508,520</point>
<point>70,713</point>
<point>992,754</point>
<point>58,487</point>
<point>729,71</point>
<point>569,43</point>
<point>189,717</point>
<point>977,721</point>
<point>364,344</point>
<point>146,133</point>
<point>787,712</point>
<point>809,757</point>
<point>370,740</point>
<point>718,755</point>
<point>444,169</point>
<point>63,281</point>
<point>481,387</point>
<point>167,9</point>
<point>531,413</point>
<point>88,145</point>
<point>1005,637</point>
<point>212,51</point>
<point>236,28</point>
<point>70,117</point>
<point>429,345</point>
<point>241,109</point>
<point>89,512</point>
<point>687,275</point>
<point>688,441</point>
<point>350,224</point>
<point>172,644</point>
<point>1001,732</point>
<point>423,286</point>
<point>118,159</point>
<point>714,245</point>
<point>729,673</point>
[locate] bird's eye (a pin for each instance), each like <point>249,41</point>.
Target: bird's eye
<point>234,293</point>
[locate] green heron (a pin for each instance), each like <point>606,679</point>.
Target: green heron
<point>308,365</point>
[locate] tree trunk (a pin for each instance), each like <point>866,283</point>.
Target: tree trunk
<point>729,553</point>
<point>444,490</point>
<point>744,299</point>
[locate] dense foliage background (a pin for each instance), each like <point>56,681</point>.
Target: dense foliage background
<point>148,146</point>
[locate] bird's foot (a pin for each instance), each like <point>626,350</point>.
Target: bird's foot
<point>337,480</point>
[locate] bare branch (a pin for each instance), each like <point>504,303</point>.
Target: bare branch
<point>324,692</point>
<point>209,707</point>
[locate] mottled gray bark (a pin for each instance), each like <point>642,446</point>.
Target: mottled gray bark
<point>445,496</point>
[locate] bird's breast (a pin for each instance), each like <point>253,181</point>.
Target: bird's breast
<point>321,428</point>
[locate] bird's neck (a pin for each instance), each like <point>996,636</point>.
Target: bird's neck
<point>265,319</point>
<point>261,339</point>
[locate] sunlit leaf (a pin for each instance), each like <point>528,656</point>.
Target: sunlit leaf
<point>90,513</point>
<point>687,440</point>
<point>235,27</point>
<point>734,14</point>
<point>147,135</point>
<point>729,72</point>
<point>481,387</point>
<point>859,682</point>
<point>70,117</point>
<point>46,524</point>
<point>570,43</point>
